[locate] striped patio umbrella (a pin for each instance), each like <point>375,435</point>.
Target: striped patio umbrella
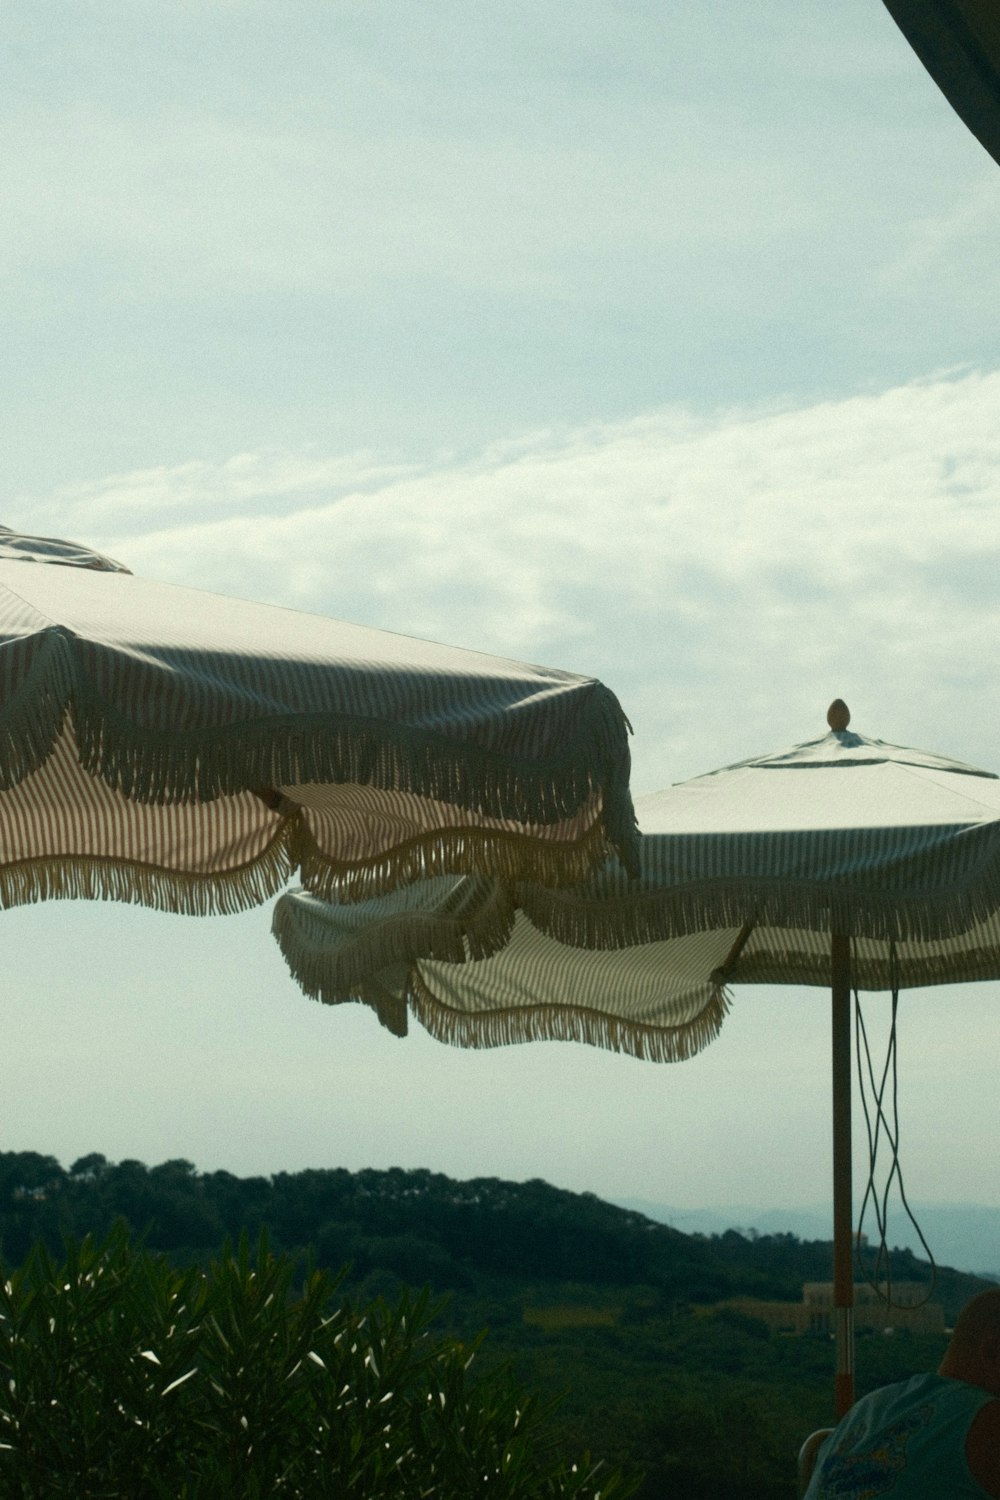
<point>844,862</point>
<point>457,954</point>
<point>190,751</point>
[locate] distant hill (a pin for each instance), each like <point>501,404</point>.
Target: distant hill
<point>963,1235</point>
<point>418,1227</point>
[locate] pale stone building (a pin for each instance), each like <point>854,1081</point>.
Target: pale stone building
<point>814,1314</point>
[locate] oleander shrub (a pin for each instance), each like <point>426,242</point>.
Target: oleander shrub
<point>124,1376</point>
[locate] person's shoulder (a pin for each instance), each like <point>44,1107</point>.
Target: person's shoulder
<point>982,1447</point>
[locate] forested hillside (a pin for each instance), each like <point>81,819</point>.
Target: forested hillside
<point>417,1226</point>
<point>620,1314</point>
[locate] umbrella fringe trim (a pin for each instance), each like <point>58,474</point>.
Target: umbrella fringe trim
<point>172,765</point>
<point>624,919</point>
<point>33,713</point>
<point>460,851</point>
<point>92,879</point>
<point>565,1023</point>
<point>333,974</point>
<point>317,972</point>
<point>774,965</point>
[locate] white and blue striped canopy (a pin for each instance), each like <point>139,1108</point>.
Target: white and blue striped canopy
<point>192,751</point>
<point>477,973</point>
<point>744,875</point>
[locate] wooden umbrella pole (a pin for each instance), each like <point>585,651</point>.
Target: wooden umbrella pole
<point>843,1211</point>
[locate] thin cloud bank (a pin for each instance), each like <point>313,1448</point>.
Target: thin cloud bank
<point>727,574</point>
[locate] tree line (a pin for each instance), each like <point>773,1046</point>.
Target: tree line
<point>416,1225</point>
<point>625,1321</point>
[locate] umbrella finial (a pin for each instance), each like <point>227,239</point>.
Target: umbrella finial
<point>838,715</point>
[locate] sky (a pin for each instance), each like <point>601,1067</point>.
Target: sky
<point>655,342</point>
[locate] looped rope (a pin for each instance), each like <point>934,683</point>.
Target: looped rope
<point>889,1130</point>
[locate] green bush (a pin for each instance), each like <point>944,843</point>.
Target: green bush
<point>122,1376</point>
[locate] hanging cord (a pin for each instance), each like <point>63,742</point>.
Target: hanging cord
<point>883,1262</point>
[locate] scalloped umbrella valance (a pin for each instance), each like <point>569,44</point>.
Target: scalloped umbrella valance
<point>743,875</point>
<point>844,862</point>
<point>457,954</point>
<point>192,751</point>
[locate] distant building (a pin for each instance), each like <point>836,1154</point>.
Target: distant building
<point>814,1314</point>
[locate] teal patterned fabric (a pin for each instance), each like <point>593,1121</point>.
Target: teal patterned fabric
<point>903,1442</point>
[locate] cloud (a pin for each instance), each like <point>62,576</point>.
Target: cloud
<point>727,574</point>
